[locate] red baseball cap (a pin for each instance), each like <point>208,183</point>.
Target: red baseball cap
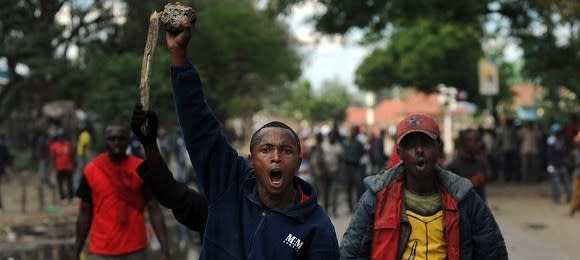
<point>417,123</point>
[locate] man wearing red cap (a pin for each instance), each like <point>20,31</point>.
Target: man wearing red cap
<point>417,210</point>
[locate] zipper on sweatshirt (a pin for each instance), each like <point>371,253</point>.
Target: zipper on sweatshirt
<point>264,213</point>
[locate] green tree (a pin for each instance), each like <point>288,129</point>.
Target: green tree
<point>299,105</point>
<point>417,43</point>
<point>331,101</point>
<point>424,56</point>
<point>245,57</point>
<point>328,103</point>
<point>33,38</point>
<point>548,32</point>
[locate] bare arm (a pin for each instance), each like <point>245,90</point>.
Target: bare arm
<point>83,226</point>
<point>158,223</point>
<point>177,43</point>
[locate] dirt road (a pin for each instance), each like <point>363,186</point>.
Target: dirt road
<point>533,227</point>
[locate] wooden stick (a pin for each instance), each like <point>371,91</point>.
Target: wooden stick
<point>147,56</point>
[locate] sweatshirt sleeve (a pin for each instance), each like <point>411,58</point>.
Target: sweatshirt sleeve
<point>217,164</point>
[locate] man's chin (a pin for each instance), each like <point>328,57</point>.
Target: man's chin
<point>117,157</point>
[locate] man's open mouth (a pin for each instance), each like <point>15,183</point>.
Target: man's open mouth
<point>276,177</point>
<point>421,163</point>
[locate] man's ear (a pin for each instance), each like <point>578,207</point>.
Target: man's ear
<point>250,159</point>
<point>398,150</point>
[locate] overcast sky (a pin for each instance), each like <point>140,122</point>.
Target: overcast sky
<point>325,57</point>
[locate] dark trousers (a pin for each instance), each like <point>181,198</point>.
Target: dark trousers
<point>64,177</point>
<point>352,175</point>
<point>530,168</point>
<point>511,166</point>
<point>328,190</point>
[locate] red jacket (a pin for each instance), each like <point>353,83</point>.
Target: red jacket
<point>387,228</point>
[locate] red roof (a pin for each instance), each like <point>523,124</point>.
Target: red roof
<point>524,94</point>
<point>356,115</point>
<point>391,111</point>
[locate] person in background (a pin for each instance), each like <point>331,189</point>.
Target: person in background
<point>62,154</point>
<point>84,149</point>
<point>352,152</point>
<point>467,163</point>
<point>529,150</point>
<point>418,210</point>
<point>41,154</point>
<point>508,140</point>
<point>113,199</point>
<point>317,166</point>
<point>332,153</point>
<point>575,204</point>
<point>557,169</point>
<point>6,160</point>
<point>377,150</point>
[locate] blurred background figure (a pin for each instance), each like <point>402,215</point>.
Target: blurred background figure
<point>352,152</point>
<point>62,154</point>
<point>467,162</point>
<point>556,160</point>
<point>377,150</point>
<point>41,154</point>
<point>530,138</point>
<point>331,156</point>
<point>507,137</point>
<point>84,148</point>
<point>575,205</point>
<point>6,161</point>
<point>317,166</point>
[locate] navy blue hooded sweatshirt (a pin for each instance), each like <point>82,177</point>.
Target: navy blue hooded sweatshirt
<point>237,226</point>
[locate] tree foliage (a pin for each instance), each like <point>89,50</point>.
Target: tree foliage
<point>374,16</point>
<point>33,38</point>
<point>244,55</point>
<point>325,104</point>
<point>445,53</point>
<point>548,31</point>
<point>417,43</point>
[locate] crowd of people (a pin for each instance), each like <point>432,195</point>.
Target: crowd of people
<point>413,203</point>
<point>512,153</point>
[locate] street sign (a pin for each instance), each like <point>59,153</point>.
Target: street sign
<point>488,78</point>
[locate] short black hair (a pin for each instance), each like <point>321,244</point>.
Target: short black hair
<point>123,127</point>
<point>277,124</point>
<point>465,133</point>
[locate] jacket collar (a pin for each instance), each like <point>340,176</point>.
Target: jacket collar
<point>298,211</point>
<point>457,186</point>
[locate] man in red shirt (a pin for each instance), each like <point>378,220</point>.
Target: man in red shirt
<point>113,198</point>
<point>62,155</point>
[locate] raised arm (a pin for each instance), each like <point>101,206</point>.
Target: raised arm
<point>188,206</point>
<point>217,164</point>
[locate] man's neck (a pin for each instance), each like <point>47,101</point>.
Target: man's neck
<point>282,200</point>
<point>424,186</point>
<point>117,160</point>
